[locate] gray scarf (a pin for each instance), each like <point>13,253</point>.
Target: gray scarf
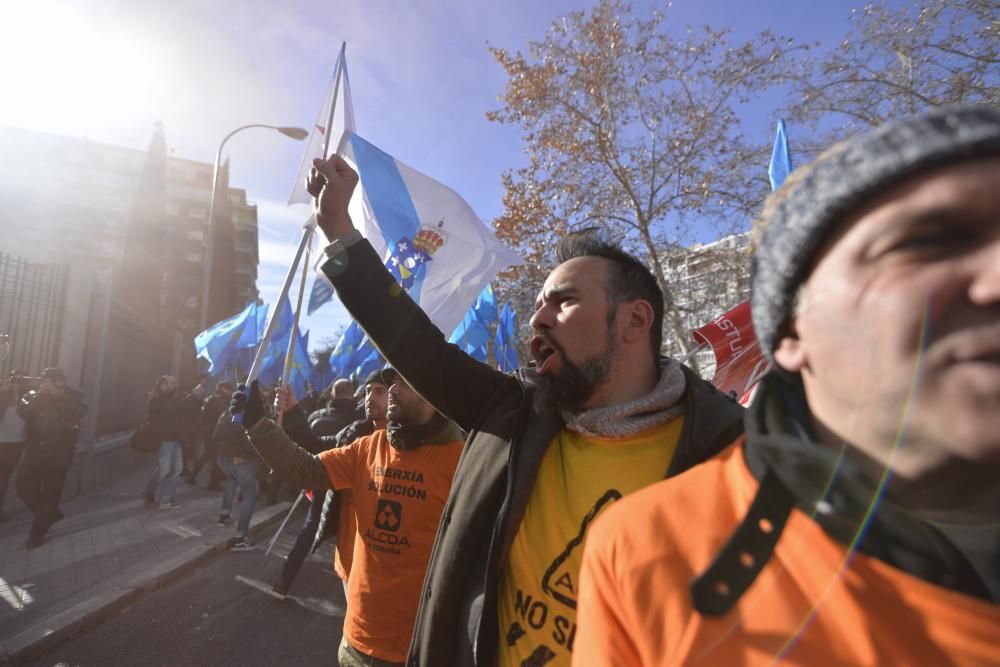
<point>656,408</point>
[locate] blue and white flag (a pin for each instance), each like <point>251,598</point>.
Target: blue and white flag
<point>504,348</point>
<point>432,241</point>
<point>781,157</point>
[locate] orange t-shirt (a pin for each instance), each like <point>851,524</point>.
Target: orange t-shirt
<point>810,605</point>
<point>397,497</point>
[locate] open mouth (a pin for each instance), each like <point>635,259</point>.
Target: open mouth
<point>543,353</point>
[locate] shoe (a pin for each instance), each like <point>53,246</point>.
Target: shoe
<point>57,516</point>
<point>34,542</point>
<point>242,543</point>
<point>171,505</point>
<point>280,589</point>
<point>225,519</point>
<point>148,501</point>
<point>189,481</point>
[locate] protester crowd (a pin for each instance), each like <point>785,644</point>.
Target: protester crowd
<point>607,506</point>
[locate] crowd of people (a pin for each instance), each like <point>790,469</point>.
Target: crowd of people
<point>607,506</point>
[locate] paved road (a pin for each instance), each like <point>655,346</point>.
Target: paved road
<point>219,616</point>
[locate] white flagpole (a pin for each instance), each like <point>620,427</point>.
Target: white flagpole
<point>283,523</point>
<point>307,238</point>
<point>293,338</point>
<point>273,317</point>
<point>333,106</point>
<point>307,230</point>
<point>690,355</point>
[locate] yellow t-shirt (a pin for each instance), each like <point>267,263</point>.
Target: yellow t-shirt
<point>578,478</point>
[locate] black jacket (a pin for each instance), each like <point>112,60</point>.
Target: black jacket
<point>457,620</point>
<point>170,417</point>
<point>333,418</point>
<point>52,422</point>
<point>231,440</point>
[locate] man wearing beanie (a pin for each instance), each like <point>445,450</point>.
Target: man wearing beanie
<point>858,520</point>
<point>399,479</point>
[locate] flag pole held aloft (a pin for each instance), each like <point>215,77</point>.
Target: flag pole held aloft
<point>272,320</point>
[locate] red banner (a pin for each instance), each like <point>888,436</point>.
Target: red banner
<point>739,364</point>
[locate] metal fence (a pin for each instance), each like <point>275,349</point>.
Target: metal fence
<point>32,311</point>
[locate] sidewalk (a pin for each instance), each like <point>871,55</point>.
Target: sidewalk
<point>108,552</point>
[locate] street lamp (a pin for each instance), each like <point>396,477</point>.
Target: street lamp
<point>296,133</point>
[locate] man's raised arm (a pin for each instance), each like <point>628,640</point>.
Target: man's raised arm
<point>457,385</point>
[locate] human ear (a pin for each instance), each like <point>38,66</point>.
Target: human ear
<point>790,353</point>
<point>638,320</point>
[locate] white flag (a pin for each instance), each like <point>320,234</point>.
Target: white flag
<point>343,119</point>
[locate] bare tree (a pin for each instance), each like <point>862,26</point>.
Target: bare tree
<point>897,62</point>
<point>634,129</point>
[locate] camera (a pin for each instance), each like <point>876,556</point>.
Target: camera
<point>22,381</point>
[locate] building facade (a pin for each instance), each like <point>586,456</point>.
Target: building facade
<point>707,280</point>
<point>119,236</point>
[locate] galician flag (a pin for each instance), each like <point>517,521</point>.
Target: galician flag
<point>430,238</point>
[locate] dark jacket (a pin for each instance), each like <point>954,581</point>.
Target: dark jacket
<point>333,418</point>
<point>52,422</point>
<point>457,621</point>
<point>211,408</point>
<point>170,416</point>
<point>231,439</point>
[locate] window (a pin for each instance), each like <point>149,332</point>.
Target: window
<point>195,235</point>
<point>198,213</point>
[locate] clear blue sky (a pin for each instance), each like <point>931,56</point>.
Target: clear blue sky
<point>422,81</point>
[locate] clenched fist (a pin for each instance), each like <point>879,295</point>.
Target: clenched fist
<point>332,182</point>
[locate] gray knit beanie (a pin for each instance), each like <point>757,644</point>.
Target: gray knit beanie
<point>816,198</point>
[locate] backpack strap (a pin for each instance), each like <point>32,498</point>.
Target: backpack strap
<point>751,546</point>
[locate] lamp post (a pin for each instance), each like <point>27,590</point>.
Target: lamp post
<point>296,133</point>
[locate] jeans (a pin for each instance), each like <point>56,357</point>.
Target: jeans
<point>207,455</point>
<point>169,464</point>
<point>304,542</point>
<point>244,475</point>
<point>348,656</point>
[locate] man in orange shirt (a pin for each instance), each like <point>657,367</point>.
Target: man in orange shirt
<point>399,479</point>
<point>330,513</point>
<point>858,522</point>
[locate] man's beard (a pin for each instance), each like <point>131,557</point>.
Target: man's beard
<point>574,385</point>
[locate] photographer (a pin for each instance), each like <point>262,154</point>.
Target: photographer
<point>52,417</point>
<point>12,432</point>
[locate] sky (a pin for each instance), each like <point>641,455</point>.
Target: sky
<point>422,80</point>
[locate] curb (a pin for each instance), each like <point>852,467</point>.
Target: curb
<point>47,635</point>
